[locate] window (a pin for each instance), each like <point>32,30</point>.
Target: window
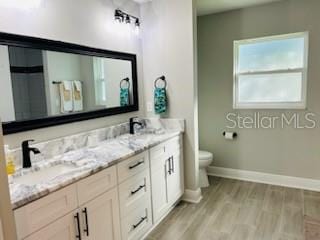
<point>271,72</point>
<point>99,80</point>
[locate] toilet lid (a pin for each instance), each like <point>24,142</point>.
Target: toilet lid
<point>204,155</point>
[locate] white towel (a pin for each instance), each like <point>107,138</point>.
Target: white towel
<point>77,96</point>
<point>66,96</point>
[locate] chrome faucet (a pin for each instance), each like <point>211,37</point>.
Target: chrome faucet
<point>132,123</point>
<point>26,149</point>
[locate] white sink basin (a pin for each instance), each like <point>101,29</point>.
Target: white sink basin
<point>43,175</point>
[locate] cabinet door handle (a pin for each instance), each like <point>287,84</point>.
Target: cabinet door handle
<point>77,218</point>
<point>169,161</point>
<point>136,165</point>
<point>172,164</point>
<point>138,224</point>
<point>138,189</point>
<point>85,212</point>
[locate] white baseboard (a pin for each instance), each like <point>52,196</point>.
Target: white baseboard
<point>192,196</point>
<point>273,179</point>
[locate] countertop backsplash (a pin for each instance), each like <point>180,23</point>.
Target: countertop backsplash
<point>59,146</point>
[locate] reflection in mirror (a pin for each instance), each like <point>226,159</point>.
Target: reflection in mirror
<point>38,83</point>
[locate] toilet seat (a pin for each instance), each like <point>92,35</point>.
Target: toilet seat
<point>205,156</point>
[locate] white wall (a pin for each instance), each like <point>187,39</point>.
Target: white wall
<point>6,104</point>
<point>89,23</point>
<point>168,49</point>
<point>115,71</point>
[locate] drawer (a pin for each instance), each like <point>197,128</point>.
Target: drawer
<point>173,145</point>
<point>97,184</point>
<point>136,225</point>
<point>134,193</point>
<point>165,149</point>
<point>132,166</point>
<point>158,151</point>
<point>40,213</point>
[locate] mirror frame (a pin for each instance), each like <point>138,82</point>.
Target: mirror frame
<point>51,45</point>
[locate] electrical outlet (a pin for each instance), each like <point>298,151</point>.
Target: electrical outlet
<point>149,107</point>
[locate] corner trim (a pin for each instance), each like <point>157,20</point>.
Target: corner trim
<point>192,196</point>
<point>259,177</point>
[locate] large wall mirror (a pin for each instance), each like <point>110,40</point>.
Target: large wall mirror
<point>45,83</point>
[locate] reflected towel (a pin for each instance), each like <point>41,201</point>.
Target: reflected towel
<point>160,100</point>
<point>65,89</point>
<point>77,96</point>
<point>124,97</point>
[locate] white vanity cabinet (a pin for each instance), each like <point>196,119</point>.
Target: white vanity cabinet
<point>45,211</point>
<point>166,176</point>
<point>135,196</point>
<point>122,202</point>
<point>88,209</point>
<point>100,218</point>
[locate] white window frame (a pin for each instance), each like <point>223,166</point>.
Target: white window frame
<point>273,105</point>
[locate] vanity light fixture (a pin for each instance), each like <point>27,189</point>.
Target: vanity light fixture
<point>118,16</point>
<point>128,20</point>
<point>137,26</point>
<point>123,17</point>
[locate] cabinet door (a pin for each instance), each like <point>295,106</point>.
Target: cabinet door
<point>159,189</point>
<point>44,211</point>
<point>175,178</point>
<point>62,229</point>
<point>101,217</point>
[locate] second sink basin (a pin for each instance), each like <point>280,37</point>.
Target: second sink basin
<point>43,175</point>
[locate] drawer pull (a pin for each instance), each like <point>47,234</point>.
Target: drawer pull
<point>172,164</point>
<point>170,167</point>
<point>77,218</point>
<point>138,189</point>
<point>85,212</point>
<point>138,224</point>
<point>136,165</point>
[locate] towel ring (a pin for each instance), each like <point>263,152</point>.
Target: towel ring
<point>127,80</point>
<point>162,78</point>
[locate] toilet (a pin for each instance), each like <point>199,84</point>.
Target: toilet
<point>205,159</point>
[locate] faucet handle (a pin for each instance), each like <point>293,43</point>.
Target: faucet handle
<point>26,142</point>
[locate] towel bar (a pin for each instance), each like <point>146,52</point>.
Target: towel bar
<point>59,82</point>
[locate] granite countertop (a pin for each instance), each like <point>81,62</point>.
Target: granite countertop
<point>83,163</point>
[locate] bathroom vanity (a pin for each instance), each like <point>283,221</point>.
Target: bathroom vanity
<point>97,185</point>
<point>123,189</point>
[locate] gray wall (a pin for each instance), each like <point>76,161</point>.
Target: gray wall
<point>291,152</point>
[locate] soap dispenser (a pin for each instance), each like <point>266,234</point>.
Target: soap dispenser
<point>11,168</point>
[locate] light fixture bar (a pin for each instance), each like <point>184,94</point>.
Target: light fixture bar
<point>122,16</point>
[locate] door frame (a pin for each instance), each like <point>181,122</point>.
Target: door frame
<point>6,212</point>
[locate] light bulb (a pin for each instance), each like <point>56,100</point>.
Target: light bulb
<point>137,30</point>
<point>128,20</point>
<point>137,27</point>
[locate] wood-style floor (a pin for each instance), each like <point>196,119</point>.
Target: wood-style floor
<point>239,210</point>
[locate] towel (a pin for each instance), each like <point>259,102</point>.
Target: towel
<point>160,100</point>
<point>65,89</point>
<point>77,96</point>
<point>124,97</point>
